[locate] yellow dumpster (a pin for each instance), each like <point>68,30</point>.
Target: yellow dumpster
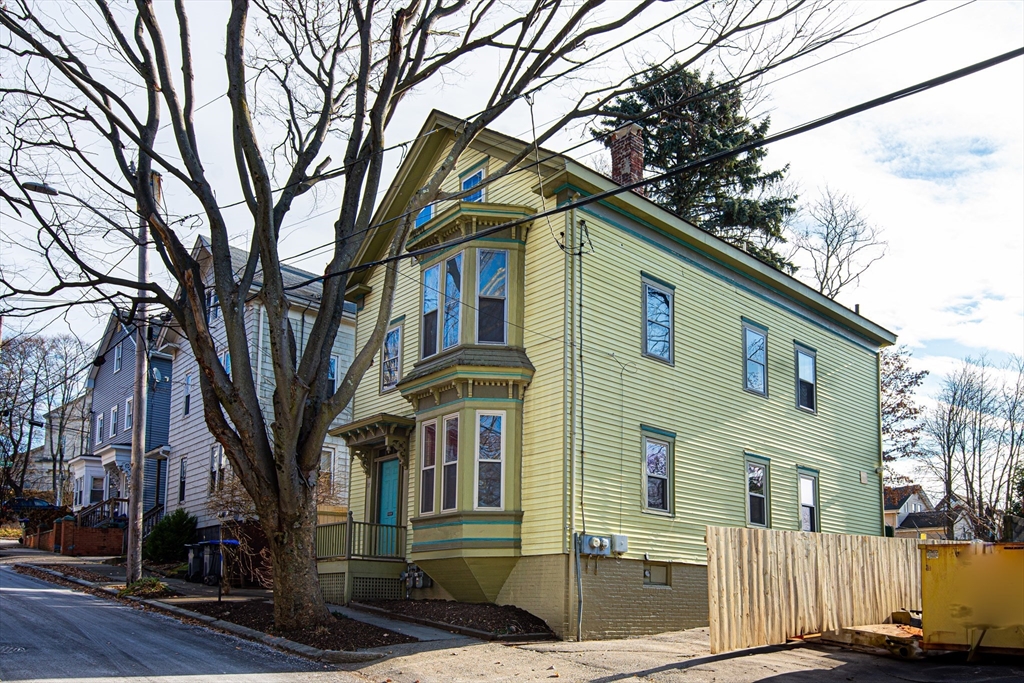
<point>972,597</point>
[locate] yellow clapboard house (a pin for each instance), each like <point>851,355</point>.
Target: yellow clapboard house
<point>605,381</point>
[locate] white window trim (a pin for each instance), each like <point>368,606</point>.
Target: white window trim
<point>798,349</point>
<point>118,357</point>
<point>444,298</point>
<point>129,413</point>
<point>647,283</point>
<point>476,459</point>
<point>458,458</point>
<point>483,188</point>
<point>764,333</point>
<point>479,253</point>
<point>186,401</point>
<point>669,474</point>
<point>330,472</point>
<point>813,476</point>
<point>434,467</point>
<point>758,461</point>
<point>114,414</point>
<point>383,358</point>
<point>337,370</point>
<point>182,479</point>
<point>440,310</point>
<point>100,423</point>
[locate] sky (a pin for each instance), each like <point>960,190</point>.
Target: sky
<point>940,173</point>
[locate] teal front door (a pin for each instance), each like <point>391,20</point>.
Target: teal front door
<point>388,492</point>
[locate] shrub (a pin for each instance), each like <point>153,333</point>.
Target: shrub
<point>147,587</point>
<point>166,543</point>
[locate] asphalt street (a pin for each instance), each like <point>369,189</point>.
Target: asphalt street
<point>50,633</point>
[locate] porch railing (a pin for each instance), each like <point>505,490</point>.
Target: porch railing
<point>103,511</point>
<point>151,519</point>
<point>365,540</point>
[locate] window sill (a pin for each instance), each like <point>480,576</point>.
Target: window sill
<point>805,409</point>
<point>760,394</point>
<point>667,514</point>
<point>669,362</point>
<point>657,587</point>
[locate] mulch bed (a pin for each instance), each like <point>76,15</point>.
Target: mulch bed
<point>343,634</point>
<point>494,619</point>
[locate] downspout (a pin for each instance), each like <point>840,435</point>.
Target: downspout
<point>881,461</point>
<point>571,247</point>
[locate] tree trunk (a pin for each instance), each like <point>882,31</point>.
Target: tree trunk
<point>292,540</point>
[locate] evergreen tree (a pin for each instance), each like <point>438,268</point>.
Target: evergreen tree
<point>734,198</point>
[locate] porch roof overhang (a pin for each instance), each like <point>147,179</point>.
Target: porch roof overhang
<point>116,454</point>
<point>382,430</point>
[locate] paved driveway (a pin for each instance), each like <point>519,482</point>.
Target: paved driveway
<point>49,633</point>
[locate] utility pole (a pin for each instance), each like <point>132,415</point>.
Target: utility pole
<point>134,560</point>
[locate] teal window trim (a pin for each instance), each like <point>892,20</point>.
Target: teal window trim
<point>647,285</point>
<point>756,325</point>
<point>658,281</point>
<point>654,431</point>
<point>804,350</point>
<point>764,462</point>
<point>763,331</point>
<point>473,169</point>
<point>397,321</point>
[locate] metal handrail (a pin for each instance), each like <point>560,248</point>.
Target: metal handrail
<point>151,519</point>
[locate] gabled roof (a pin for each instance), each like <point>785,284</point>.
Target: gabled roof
<point>926,520</point>
<point>895,497</point>
<point>561,172</point>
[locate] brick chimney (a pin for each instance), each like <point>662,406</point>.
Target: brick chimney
<point>627,146</point>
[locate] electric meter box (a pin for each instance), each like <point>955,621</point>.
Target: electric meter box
<point>620,544</point>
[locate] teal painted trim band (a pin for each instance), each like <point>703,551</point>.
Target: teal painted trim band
<point>473,522</point>
<point>757,458</point>
<point>747,321</point>
<point>657,280</point>
<point>659,432</point>
<point>463,540</point>
<point>471,402</point>
<point>805,347</point>
<point>473,169</point>
<point>712,272</point>
<point>396,321</point>
<point>807,470</point>
<point>441,255</point>
<point>515,375</point>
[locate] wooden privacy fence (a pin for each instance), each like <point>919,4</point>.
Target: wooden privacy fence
<point>765,586</point>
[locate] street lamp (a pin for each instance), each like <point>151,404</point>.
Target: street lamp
<point>134,563</point>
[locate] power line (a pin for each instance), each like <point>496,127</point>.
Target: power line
<point>682,168</point>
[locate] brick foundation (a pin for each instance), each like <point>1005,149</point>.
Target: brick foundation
<point>78,541</point>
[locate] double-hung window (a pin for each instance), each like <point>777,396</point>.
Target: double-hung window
<point>217,467</point>
<point>452,301</point>
<point>657,330</point>
<point>657,474</point>
<point>425,214</point>
<point>113,420</point>
<point>492,296</point>
<point>100,422</point>
<point>188,395</point>
<point>431,302</point>
<point>450,466</point>
<point>755,359</point>
<point>391,365</point>
<point>806,379</point>
<point>225,361</point>
<point>212,306</point>
<point>472,181</point>
<point>128,414</point>
<point>490,459</point>
<point>808,501</point>
<point>757,492</point>
<point>332,375</point>
<point>326,479</point>
<point>118,357</point>
<point>428,457</point>
<point>182,468</point>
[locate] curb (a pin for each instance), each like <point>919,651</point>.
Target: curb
<point>453,628</point>
<point>332,656</point>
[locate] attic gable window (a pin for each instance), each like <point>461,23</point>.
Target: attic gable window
<point>212,306</point>
<point>472,181</point>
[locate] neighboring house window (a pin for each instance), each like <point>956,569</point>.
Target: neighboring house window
<point>326,479</point>
<point>217,467</point>
<point>490,458</point>
<point>472,181</point>
<point>79,486</point>
<point>182,467</point>
<point>332,375</point>
<point>492,270</point>
<point>657,470</point>
<point>757,492</point>
<point>657,332</point>
<point>755,360</point>
<point>452,301</point>
<point>808,502</point>
<point>212,306</point>
<point>117,357</point>
<point>450,466</point>
<point>113,421</point>
<point>425,214</point>
<point>225,361</point>
<point>428,454</point>
<point>391,366</point>
<point>431,299</point>
<point>96,490</point>
<point>806,379</point>
<point>188,394</point>
<point>100,422</point>
<point>128,414</point>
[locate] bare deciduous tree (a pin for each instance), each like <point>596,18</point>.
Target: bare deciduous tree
<point>305,78</point>
<point>901,413</point>
<point>839,241</point>
<point>976,431</point>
